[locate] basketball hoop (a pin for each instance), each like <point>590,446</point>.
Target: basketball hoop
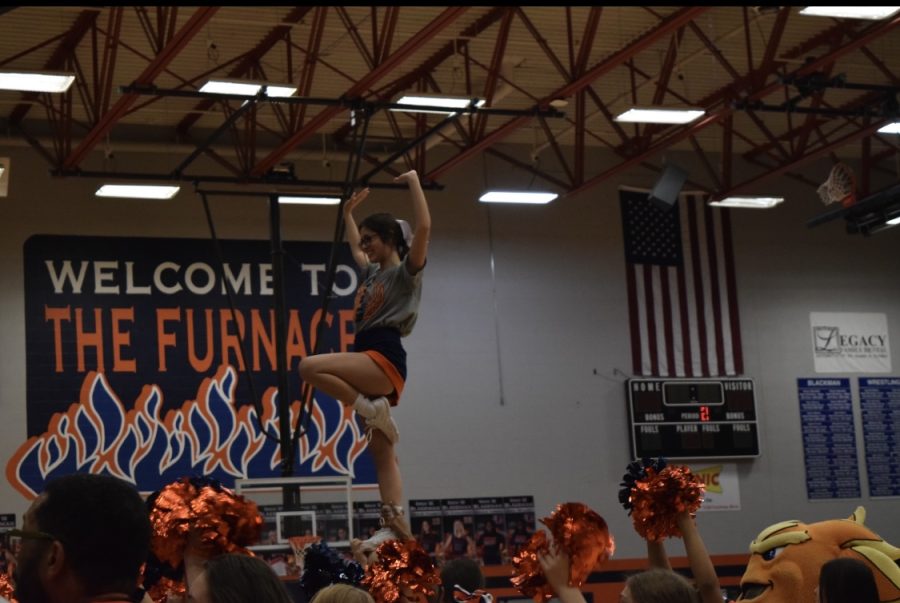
<point>840,187</point>
<point>299,544</point>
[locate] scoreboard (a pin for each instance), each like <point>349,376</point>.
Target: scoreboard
<point>692,418</point>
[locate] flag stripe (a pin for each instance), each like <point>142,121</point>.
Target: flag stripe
<point>675,316</point>
<point>733,316</point>
<point>688,358</point>
<point>642,322</point>
<point>651,319</point>
<point>708,310</point>
<point>725,305</point>
<point>689,294</point>
<point>662,365</point>
<point>713,272</point>
<point>697,276</point>
<point>682,292</point>
<point>633,319</point>
<point>667,321</point>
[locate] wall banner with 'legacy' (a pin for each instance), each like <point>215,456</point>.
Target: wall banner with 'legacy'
<point>850,342</point>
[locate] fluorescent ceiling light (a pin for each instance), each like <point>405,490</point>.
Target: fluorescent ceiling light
<point>656,115</point>
<point>2,169</point>
<point>893,128</point>
<point>247,88</point>
<point>893,221</point>
<point>449,102</point>
<point>851,12</point>
<point>223,87</point>
<point>751,202</point>
<point>35,81</point>
<point>309,199</point>
<point>137,191</point>
<point>517,197</point>
<point>280,90</point>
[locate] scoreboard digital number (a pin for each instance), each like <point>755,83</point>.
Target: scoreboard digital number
<point>693,418</point>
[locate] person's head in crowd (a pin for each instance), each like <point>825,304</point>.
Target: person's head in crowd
<point>342,593</point>
<point>459,529</point>
<point>426,526</point>
<point>462,572</point>
<point>84,538</point>
<point>236,578</point>
<point>658,586</point>
<point>846,580</point>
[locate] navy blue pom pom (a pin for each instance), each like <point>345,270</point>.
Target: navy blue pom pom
<point>323,566</point>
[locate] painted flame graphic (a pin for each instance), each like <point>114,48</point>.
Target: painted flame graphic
<point>209,435</point>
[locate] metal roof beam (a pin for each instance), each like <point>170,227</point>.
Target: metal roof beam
<point>671,23</point>
<point>867,36</point>
<point>66,48</point>
<point>168,54</point>
<point>424,36</point>
<point>276,34</point>
<point>446,51</point>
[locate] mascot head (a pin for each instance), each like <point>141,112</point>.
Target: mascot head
<point>786,557</point>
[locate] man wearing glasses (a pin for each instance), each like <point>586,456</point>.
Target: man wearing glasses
<point>83,539</point>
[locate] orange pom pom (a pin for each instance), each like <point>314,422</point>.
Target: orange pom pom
<point>201,515</point>
<point>583,535</point>
<point>165,588</point>
<point>660,497</point>
<point>403,566</point>
<point>528,576</point>
<point>7,589</point>
<point>216,521</point>
<point>580,533</point>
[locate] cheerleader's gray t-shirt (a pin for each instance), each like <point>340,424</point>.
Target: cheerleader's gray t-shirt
<point>388,298</point>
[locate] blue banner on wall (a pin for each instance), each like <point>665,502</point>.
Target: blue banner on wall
<point>134,364</point>
<point>829,438</point>
<point>880,402</point>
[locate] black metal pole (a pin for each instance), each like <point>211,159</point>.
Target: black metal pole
<point>268,181</point>
<point>349,180</point>
<point>290,494</point>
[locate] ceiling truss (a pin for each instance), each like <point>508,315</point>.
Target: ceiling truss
<point>125,48</point>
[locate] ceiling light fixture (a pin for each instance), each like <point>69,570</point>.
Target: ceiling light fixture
<point>435,104</point>
<point>851,12</point>
<point>247,88</point>
<point>309,199</point>
<point>659,115</point>
<point>517,197</point>
<point>748,202</point>
<point>893,221</point>
<point>35,81</point>
<point>137,191</point>
<point>280,90</point>
<point>893,128</point>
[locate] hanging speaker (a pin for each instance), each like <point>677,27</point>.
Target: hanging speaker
<point>665,191</point>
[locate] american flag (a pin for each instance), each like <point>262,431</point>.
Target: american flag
<point>682,297</point>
